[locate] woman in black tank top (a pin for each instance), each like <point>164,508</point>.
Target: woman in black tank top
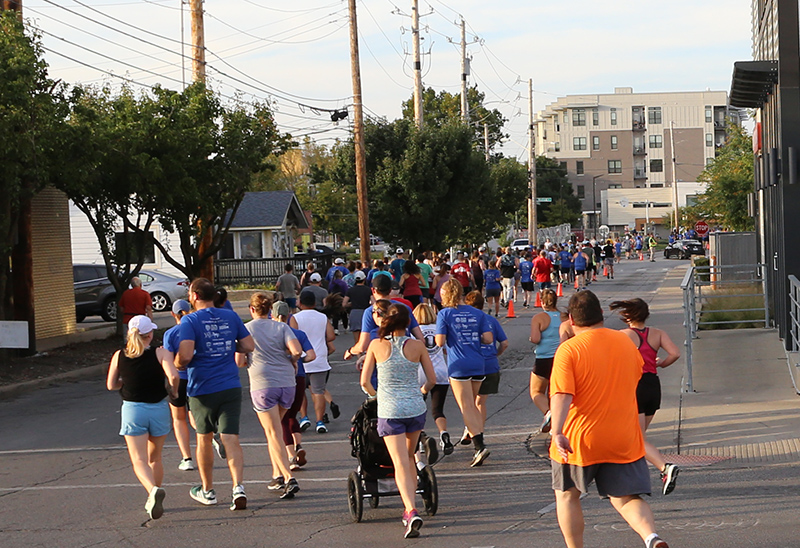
<point>143,375</point>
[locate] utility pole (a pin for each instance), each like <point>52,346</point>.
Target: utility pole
<point>417,64</point>
<point>532,221</point>
<point>674,173</point>
<point>358,140</point>
<point>486,141</point>
<point>464,72</point>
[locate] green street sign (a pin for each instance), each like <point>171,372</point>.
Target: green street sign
<point>543,200</point>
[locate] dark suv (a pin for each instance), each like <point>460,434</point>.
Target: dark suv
<point>94,293</point>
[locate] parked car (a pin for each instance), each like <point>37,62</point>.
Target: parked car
<point>521,245</point>
<point>683,249</point>
<point>95,294</point>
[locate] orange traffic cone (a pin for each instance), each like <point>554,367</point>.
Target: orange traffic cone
<point>605,271</point>
<point>576,282</point>
<point>641,256</point>
<point>559,291</point>
<point>538,300</point>
<point>510,312</point>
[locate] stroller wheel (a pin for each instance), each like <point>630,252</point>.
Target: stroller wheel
<point>355,496</point>
<point>430,491</point>
<point>374,501</point>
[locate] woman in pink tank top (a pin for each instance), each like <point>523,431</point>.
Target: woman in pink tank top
<point>649,340</point>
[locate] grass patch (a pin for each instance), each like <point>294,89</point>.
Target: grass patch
<point>253,286</point>
<point>750,308</point>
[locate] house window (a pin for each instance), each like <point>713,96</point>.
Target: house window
<point>581,192</point>
<point>127,243</point>
<point>614,185</point>
<point>709,140</point>
<point>656,185</point>
<point>579,143</point>
<point>613,117</point>
<point>615,166</point>
<point>614,142</point>
<point>557,146</point>
<point>227,249</point>
<point>595,143</point>
<point>709,115</point>
<point>595,117</point>
<point>579,117</point>
<point>250,245</point>
<point>653,115</point>
<point>656,141</point>
<point>656,166</point>
<point>579,167</point>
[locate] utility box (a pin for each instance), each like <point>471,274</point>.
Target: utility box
<point>734,249</point>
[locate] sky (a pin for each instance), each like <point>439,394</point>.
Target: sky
<point>296,55</point>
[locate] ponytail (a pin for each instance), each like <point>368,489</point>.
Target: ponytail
<point>136,343</point>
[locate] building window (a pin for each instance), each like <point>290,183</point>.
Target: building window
<point>709,114</point>
<point>250,245</point>
<point>656,185</point>
<point>227,249</point>
<point>709,140</point>
<point>127,244</point>
<point>656,166</point>
<point>615,185</point>
<point>709,161</point>
<point>595,117</point>
<point>557,146</point>
<point>656,141</point>
<point>579,117</point>
<point>615,166</point>
<point>579,167</point>
<point>579,143</point>
<point>581,192</point>
<point>563,166</point>
<point>653,115</point>
<point>595,143</point>
<point>614,142</point>
<point>613,117</point>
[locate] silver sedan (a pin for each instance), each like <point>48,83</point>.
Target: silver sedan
<point>164,289</point>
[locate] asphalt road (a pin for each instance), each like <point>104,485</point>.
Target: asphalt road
<point>66,480</point>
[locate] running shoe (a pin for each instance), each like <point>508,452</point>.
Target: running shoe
<point>321,428</point>
<point>290,489</point>
<point>668,478</point>
<point>325,418</point>
<point>305,423</point>
<point>216,441</point>
<point>336,332</point>
<point>431,451</point>
<point>657,542</point>
<point>239,499</point>
<point>335,411</point>
<point>186,465</point>
<point>447,445</point>
<point>155,502</point>
<point>413,524</point>
<point>466,439</point>
<point>276,484</point>
<point>301,456</point>
<point>293,466</point>
<point>203,497</point>
<point>546,423</point>
<point>480,456</point>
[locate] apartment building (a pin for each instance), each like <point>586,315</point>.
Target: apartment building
<point>624,140</point>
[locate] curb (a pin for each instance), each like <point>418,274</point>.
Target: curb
<point>12,391</point>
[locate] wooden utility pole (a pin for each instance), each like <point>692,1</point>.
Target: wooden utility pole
<point>358,140</point>
<point>486,141</point>
<point>674,174</point>
<point>417,63</point>
<point>532,221</point>
<point>464,72</point>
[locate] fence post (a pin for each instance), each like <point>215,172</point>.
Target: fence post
<point>688,320</point>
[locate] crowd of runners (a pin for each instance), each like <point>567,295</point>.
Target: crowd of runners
<point>421,326</point>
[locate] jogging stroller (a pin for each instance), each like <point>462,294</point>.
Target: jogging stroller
<point>374,476</point>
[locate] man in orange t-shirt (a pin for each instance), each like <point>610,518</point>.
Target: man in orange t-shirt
<point>595,424</point>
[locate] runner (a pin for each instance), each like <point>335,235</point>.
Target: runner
<point>177,406</point>
<point>438,281</point>
<point>356,301</point>
<point>581,262</point>
<point>526,270</point>
<point>411,283</point>
<point>608,259</point>
<point>139,373</point>
<point>492,278</point>
<point>426,273</point>
<point>477,266</point>
<point>546,328</point>
<point>491,352</point>
<point>649,340</point>
<point>567,274</point>
<point>461,271</point>
<point>396,266</point>
<point>542,268</point>
<point>508,266</point>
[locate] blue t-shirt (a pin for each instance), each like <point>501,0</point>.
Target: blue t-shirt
<point>397,268</point>
<point>489,351</point>
<point>566,259</point>
<point>525,269</point>
<point>463,326</point>
<point>213,367</point>
<point>368,324</point>
<point>171,342</point>
<point>306,345</point>
<point>491,277</point>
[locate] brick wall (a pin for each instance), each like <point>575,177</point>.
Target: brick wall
<point>54,298</point>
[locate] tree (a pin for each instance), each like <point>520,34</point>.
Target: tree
<point>552,182</point>
<point>730,180</point>
<point>31,113</point>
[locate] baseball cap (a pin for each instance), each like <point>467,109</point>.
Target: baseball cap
<point>144,324</point>
<point>280,308</point>
<point>338,260</point>
<point>400,251</point>
<point>482,248</point>
<point>181,305</point>
<point>358,275</point>
<point>315,277</point>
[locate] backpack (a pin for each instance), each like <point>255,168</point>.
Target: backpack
<point>506,260</point>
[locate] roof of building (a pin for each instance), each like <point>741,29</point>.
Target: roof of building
<point>269,210</point>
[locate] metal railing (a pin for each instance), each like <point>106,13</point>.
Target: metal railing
<point>794,329</point>
<point>267,271</point>
<point>705,284</point>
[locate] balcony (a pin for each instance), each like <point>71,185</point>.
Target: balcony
<point>719,125</point>
<point>639,150</point>
<point>638,124</point>
<point>639,173</point>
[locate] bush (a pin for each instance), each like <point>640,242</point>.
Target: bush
<point>751,308</point>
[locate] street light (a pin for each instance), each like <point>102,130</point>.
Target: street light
<point>594,202</point>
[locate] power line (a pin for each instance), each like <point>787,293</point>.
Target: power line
<point>306,10</point>
<point>169,39</point>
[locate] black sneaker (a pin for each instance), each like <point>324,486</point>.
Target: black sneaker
<point>325,419</point>
<point>668,478</point>
<point>431,451</point>
<point>447,445</point>
<point>290,489</point>
<point>276,484</point>
<point>335,410</point>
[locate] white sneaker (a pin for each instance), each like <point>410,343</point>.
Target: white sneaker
<point>186,465</point>
<point>239,501</point>
<point>155,502</point>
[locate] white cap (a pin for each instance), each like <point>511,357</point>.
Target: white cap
<point>338,260</point>
<point>400,251</point>
<point>144,324</point>
<point>359,275</point>
<point>315,277</point>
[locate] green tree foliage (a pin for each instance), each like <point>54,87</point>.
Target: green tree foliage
<point>552,182</point>
<point>730,180</point>
<point>31,112</point>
